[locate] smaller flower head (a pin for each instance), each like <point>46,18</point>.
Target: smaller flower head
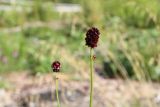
<point>92,37</point>
<point>56,66</point>
<point>93,57</point>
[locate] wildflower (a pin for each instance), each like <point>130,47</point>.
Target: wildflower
<point>56,66</point>
<point>92,37</point>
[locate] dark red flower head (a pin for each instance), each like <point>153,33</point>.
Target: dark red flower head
<point>56,66</point>
<point>92,37</point>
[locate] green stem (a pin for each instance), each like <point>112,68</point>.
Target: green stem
<point>57,95</point>
<point>91,77</point>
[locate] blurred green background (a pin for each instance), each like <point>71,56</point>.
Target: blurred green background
<point>33,33</point>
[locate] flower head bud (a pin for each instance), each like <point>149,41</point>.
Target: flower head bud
<point>56,66</point>
<point>92,37</point>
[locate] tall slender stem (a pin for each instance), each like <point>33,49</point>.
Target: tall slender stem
<point>91,77</point>
<point>57,93</point>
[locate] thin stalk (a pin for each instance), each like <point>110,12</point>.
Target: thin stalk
<point>91,77</point>
<point>57,94</point>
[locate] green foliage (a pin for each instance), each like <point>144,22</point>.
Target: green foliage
<point>43,12</point>
<point>129,37</point>
<point>12,48</point>
<point>9,19</point>
<point>25,12</point>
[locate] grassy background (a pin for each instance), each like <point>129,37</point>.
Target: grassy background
<point>129,44</point>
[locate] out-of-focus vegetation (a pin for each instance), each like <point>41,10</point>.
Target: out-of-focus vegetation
<point>129,44</point>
